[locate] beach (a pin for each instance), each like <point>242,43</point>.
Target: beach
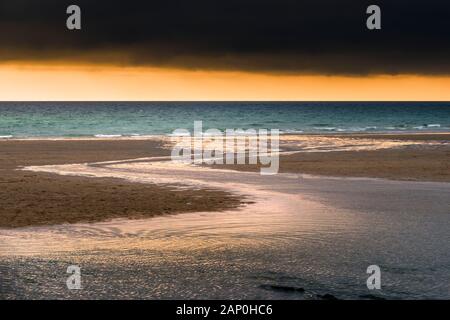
<point>34,198</point>
<point>286,236</point>
<point>39,198</point>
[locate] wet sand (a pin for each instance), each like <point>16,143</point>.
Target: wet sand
<point>36,198</point>
<point>420,162</point>
<point>301,238</point>
<point>31,199</point>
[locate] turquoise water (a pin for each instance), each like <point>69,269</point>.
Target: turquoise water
<point>69,119</point>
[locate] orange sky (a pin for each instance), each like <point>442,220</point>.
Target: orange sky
<point>83,82</point>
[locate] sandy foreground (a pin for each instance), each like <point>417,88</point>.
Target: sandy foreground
<point>33,198</point>
<point>30,198</point>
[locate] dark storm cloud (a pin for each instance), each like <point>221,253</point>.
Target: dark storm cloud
<point>283,36</point>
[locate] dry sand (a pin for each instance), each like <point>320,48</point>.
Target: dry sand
<point>30,198</point>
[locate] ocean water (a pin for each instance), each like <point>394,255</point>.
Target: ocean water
<point>74,119</point>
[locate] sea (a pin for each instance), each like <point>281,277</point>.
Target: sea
<point>111,119</point>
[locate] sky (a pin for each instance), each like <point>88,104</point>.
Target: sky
<point>225,50</point>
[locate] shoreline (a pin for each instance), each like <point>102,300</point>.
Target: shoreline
<point>429,135</point>
<point>37,198</point>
